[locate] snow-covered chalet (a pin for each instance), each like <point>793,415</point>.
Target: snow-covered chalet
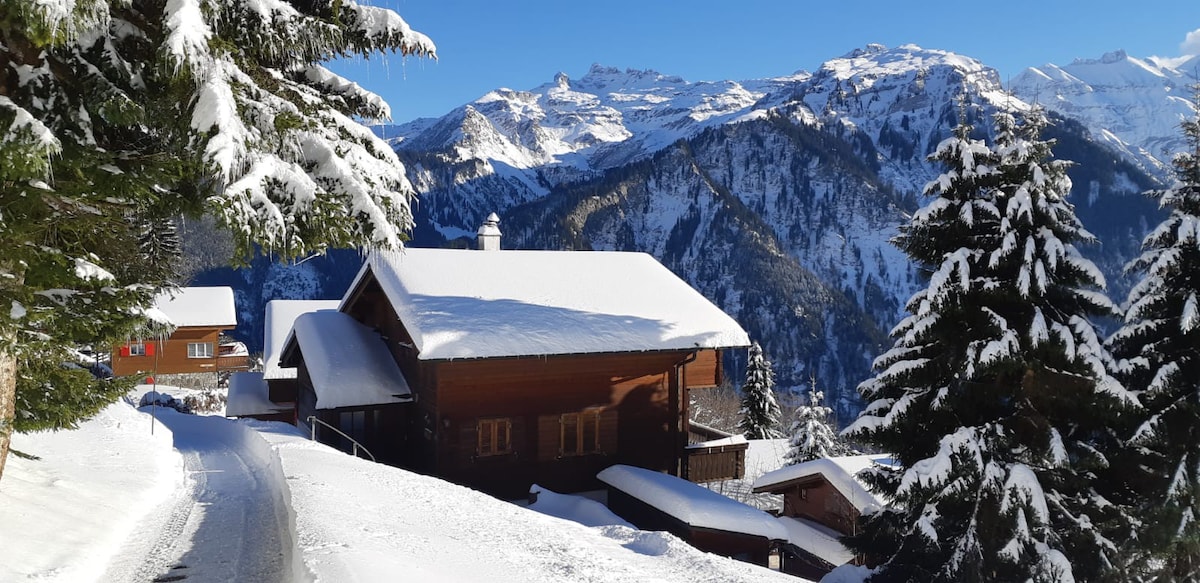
<point>498,369</point>
<point>199,315</point>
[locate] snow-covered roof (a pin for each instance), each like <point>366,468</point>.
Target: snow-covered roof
<point>838,471</point>
<point>691,503</point>
<point>248,396</point>
<point>348,363</point>
<point>818,539</point>
<point>198,306</point>
<point>472,304</point>
<point>280,315</point>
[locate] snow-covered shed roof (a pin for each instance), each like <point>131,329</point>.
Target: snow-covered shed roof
<point>823,542</point>
<point>248,396</point>
<point>470,304</point>
<point>198,306</point>
<point>691,503</point>
<point>280,315</point>
<point>348,363</point>
<point>838,471</point>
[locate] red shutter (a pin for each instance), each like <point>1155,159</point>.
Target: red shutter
<point>125,351</point>
<point>149,349</point>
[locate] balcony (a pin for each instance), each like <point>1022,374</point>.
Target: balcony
<point>713,455</point>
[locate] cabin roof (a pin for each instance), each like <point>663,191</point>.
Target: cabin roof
<point>838,471</point>
<point>819,540</point>
<point>691,503</point>
<point>349,364</point>
<point>474,304</point>
<point>248,396</point>
<point>198,306</point>
<point>280,315</point>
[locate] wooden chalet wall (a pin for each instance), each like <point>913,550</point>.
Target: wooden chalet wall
<point>816,499</point>
<point>639,401</point>
<point>171,355</point>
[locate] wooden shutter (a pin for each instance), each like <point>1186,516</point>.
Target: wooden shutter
<point>149,348</point>
<point>125,351</point>
<point>608,432</point>
<point>548,435</point>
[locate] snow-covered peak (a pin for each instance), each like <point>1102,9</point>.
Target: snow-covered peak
<point>1132,103</point>
<point>876,61</point>
<point>600,79</point>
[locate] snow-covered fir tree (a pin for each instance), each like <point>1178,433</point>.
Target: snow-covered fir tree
<point>760,411</point>
<point>812,434</point>
<point>1158,347</point>
<point>995,397</point>
<point>118,115</point>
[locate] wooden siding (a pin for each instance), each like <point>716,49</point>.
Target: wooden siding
<point>171,355</point>
<point>816,499</point>
<point>721,462</point>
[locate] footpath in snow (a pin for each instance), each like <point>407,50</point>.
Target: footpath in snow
<point>209,499</point>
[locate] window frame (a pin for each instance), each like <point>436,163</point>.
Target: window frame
<point>580,421</point>
<point>191,353</point>
<point>137,349</point>
<point>493,428</point>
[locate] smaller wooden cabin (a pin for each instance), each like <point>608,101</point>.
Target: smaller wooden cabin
<point>200,315</point>
<point>247,398</point>
<point>279,316</point>
<point>704,519</point>
<point>822,500</point>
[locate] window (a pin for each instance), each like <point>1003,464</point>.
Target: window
<point>494,437</point>
<point>137,349</point>
<point>200,349</point>
<point>580,433</point>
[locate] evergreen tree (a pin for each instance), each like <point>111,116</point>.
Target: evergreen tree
<point>760,412</point>
<point>994,399</point>
<point>1157,347</point>
<point>118,115</point>
<point>812,435</point>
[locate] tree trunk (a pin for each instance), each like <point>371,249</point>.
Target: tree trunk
<point>8,402</point>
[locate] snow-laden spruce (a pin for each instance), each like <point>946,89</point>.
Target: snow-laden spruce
<point>994,398</point>
<point>117,116</point>
<point>812,433</point>
<point>1157,347</point>
<point>760,411</point>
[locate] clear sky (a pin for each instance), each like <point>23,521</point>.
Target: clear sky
<point>520,44</point>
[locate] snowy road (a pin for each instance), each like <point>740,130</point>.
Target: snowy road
<point>230,520</point>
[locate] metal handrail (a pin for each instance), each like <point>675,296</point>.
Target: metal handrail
<point>357,445</point>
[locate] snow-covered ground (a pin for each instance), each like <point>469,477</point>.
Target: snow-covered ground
<point>214,499</point>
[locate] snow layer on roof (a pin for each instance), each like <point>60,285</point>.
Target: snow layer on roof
<point>280,316</point>
<point>472,304</point>
<point>839,471</point>
<point>248,396</point>
<point>349,364</point>
<point>691,503</point>
<point>817,539</point>
<point>198,306</point>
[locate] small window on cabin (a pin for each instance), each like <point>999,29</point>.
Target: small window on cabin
<point>804,493</point>
<point>580,433</point>
<point>200,349</point>
<point>494,437</point>
<point>137,349</point>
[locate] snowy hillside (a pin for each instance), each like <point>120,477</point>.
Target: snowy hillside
<point>209,499</point>
<point>1132,104</point>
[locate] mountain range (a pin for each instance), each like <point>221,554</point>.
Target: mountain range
<point>777,197</point>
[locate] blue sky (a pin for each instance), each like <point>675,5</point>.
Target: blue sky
<point>521,44</point>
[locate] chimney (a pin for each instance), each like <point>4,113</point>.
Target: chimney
<point>488,235</point>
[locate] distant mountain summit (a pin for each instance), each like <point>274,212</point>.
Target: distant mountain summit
<point>1134,105</point>
<point>776,197</point>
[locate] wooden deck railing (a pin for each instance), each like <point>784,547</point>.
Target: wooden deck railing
<point>709,463</point>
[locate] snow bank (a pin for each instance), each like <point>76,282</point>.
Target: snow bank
<point>474,304</point>
<point>817,539</point>
<point>66,516</point>
<point>691,503</point>
<point>574,508</point>
<point>359,521</point>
